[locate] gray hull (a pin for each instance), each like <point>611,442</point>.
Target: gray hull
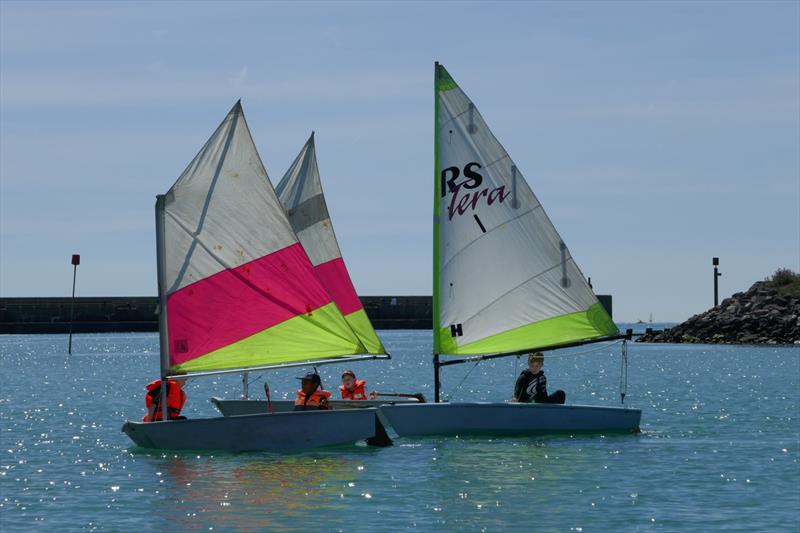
<point>251,407</point>
<point>507,419</point>
<point>279,431</point>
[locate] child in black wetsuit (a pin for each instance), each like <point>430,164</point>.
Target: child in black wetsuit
<point>531,385</point>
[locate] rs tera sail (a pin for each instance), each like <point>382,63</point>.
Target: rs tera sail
<point>504,280</point>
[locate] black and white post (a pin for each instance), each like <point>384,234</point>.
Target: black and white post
<point>717,274</point>
<point>76,260</point>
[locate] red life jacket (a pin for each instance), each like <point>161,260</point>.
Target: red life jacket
<point>357,393</point>
<point>314,400</point>
<point>176,398</point>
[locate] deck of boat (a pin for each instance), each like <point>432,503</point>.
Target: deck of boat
<point>485,418</point>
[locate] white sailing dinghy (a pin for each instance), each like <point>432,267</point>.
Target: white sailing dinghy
<point>238,292</point>
<point>504,282</point>
<point>301,195</point>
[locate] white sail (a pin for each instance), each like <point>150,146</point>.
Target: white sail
<point>504,279</point>
<point>238,287</point>
<point>300,192</point>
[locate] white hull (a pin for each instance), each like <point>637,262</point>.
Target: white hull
<point>252,407</point>
<point>279,431</point>
<point>507,418</point>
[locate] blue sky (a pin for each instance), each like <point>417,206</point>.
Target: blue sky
<point>655,134</point>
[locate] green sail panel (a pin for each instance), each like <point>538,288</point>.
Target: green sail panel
<point>504,280</point>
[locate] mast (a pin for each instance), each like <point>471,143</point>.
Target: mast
<point>436,211</point>
<point>163,339</point>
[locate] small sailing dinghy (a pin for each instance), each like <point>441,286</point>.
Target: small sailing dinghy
<point>248,407</point>
<point>238,292</point>
<point>301,195</point>
<point>504,282</point>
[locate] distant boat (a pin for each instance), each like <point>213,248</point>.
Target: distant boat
<point>504,282</point>
<point>238,292</point>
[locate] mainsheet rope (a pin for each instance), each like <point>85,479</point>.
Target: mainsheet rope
<point>623,372</point>
<point>463,380</point>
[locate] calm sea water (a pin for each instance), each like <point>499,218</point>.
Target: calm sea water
<point>719,448</point>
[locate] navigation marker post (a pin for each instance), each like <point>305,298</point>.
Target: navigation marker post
<point>76,260</point>
<point>717,274</point>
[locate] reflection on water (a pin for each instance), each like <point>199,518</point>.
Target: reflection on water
<point>252,492</point>
<point>719,448</point>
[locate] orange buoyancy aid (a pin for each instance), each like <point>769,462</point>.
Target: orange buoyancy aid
<point>314,400</point>
<point>176,398</point>
<point>357,393</point>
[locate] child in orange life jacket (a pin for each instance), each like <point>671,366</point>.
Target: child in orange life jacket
<point>176,398</point>
<point>311,397</point>
<point>354,389</point>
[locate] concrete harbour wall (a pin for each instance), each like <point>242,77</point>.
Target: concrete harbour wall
<point>127,314</point>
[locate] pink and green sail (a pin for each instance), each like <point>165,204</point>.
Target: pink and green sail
<point>300,192</point>
<point>504,281</point>
<point>240,289</point>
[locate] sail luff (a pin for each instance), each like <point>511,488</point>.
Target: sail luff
<point>437,348</point>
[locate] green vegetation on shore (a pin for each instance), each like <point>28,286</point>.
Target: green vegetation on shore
<point>784,281</point>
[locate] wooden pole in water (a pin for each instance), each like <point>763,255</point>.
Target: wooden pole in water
<point>76,260</point>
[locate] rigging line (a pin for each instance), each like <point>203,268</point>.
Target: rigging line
<point>584,352</point>
<point>253,381</point>
<point>463,380</point>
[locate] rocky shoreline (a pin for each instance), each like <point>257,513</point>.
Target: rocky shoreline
<point>767,313</point>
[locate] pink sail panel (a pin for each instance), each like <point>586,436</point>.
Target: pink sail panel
<point>336,279</point>
<point>238,302</point>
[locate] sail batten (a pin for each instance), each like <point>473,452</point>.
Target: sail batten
<point>503,278</point>
<point>301,194</point>
<point>238,289</point>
